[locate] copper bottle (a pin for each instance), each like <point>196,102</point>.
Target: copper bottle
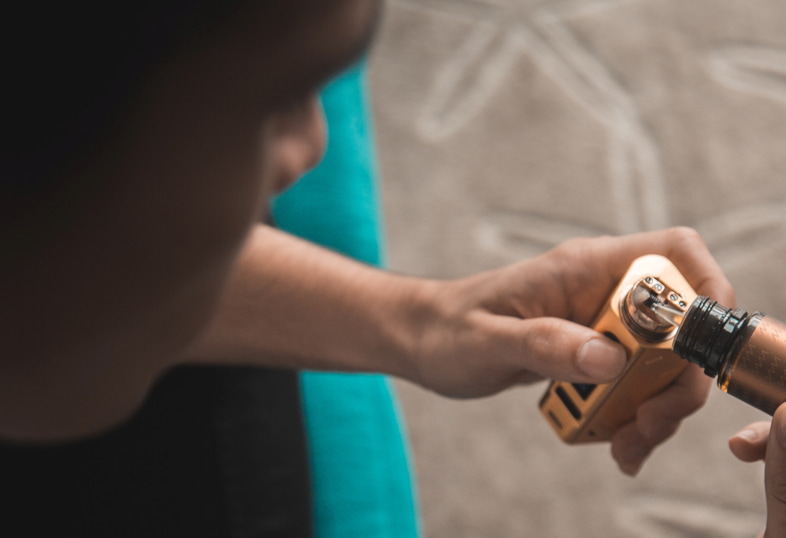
<point>746,351</point>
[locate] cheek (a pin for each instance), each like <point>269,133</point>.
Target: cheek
<point>236,192</point>
<point>182,232</point>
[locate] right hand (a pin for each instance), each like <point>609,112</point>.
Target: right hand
<point>530,320</point>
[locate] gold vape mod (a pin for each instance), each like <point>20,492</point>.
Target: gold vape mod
<point>651,290</point>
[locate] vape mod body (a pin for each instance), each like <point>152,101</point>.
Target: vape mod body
<point>583,413</point>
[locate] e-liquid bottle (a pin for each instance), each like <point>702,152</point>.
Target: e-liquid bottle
<point>746,351</point>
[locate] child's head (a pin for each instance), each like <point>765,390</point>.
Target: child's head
<point>73,73</point>
<point>143,144</point>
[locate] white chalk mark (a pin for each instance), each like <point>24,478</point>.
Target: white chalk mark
<point>468,80</point>
<point>751,69</point>
<point>454,98</point>
<point>619,113</point>
<point>638,189</point>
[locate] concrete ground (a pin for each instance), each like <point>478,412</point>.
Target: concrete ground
<point>507,126</point>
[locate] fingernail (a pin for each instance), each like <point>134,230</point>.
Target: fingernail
<point>630,469</point>
<point>633,460</point>
<point>750,436</point>
<point>601,360</point>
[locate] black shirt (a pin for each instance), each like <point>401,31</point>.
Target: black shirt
<point>214,452</point>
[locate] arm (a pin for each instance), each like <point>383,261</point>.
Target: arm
<point>292,304</point>
<point>289,302</point>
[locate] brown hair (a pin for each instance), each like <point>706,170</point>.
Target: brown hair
<point>71,68</point>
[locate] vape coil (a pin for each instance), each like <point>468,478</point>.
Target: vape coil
<point>653,310</point>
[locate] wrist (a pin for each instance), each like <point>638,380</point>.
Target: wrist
<point>436,328</point>
<point>407,314</point>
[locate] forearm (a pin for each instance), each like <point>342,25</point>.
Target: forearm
<point>294,305</point>
<point>287,304</point>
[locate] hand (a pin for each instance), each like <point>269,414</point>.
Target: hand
<point>528,321</point>
<point>760,441</point>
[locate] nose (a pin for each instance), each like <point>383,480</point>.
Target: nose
<point>300,141</point>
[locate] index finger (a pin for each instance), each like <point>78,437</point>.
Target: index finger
<point>684,247</point>
<point>688,251</point>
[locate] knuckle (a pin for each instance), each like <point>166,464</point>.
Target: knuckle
<point>687,236</point>
<point>776,486</point>
<point>541,341</point>
<point>696,392</point>
<point>567,248</point>
<point>694,402</point>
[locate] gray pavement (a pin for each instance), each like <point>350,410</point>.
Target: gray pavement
<point>507,126</point>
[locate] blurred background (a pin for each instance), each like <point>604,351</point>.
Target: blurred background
<point>507,126</point>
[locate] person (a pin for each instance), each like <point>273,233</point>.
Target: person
<point>767,441</point>
<point>138,156</point>
<point>359,462</point>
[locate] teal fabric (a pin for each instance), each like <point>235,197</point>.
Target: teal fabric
<point>359,459</point>
<point>337,204</point>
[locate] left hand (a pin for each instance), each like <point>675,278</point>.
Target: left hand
<point>754,443</point>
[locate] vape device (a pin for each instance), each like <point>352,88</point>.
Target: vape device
<point>642,314</point>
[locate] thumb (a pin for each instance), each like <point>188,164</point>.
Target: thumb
<point>775,476</point>
<point>566,351</point>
